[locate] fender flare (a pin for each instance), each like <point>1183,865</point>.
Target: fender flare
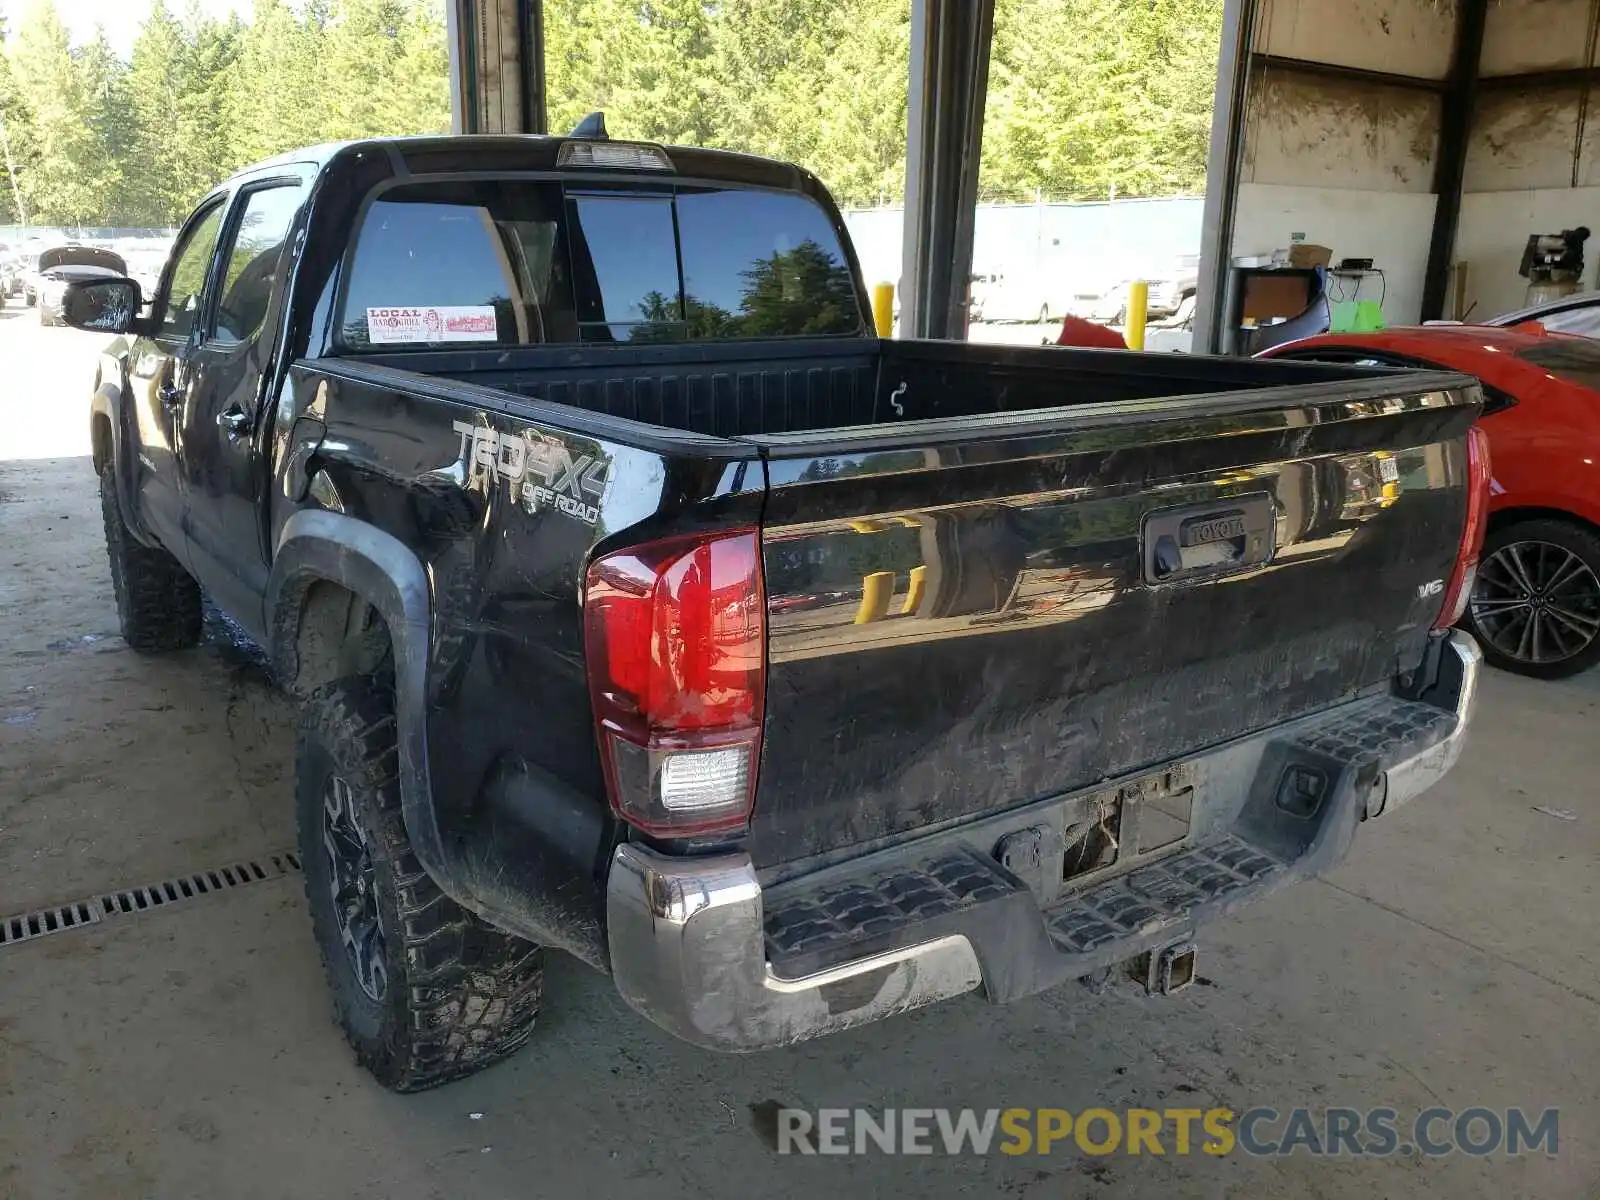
<point>316,546</point>
<point>108,404</point>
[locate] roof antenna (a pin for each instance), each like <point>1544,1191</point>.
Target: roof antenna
<point>592,127</point>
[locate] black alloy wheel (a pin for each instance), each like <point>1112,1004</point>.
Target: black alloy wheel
<point>424,990</point>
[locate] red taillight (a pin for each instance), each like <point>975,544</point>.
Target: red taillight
<point>675,634</point>
<point>1459,590</point>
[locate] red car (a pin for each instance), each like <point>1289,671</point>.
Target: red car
<point>1536,606</point>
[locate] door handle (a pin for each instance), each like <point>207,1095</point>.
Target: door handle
<point>1202,540</point>
<point>234,422</point>
<point>170,395</point>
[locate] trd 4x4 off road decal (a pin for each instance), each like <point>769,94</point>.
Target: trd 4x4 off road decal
<point>538,469</point>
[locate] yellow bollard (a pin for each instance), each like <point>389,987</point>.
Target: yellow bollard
<point>1138,314</point>
<point>919,582</point>
<point>883,308</point>
<point>876,590</point>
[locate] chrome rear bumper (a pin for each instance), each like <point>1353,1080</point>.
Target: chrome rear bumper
<point>689,943</point>
<point>688,951</point>
<point>1460,668</point>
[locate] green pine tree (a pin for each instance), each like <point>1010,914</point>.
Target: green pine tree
<point>15,136</point>
<point>276,102</point>
<point>60,180</point>
<point>207,77</point>
<point>1085,96</point>
<point>153,188</point>
<point>110,125</point>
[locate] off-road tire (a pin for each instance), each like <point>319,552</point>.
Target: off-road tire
<point>158,602</point>
<point>460,994</point>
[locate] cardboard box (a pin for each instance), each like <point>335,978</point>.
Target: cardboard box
<point>1269,297</point>
<point>1308,254</point>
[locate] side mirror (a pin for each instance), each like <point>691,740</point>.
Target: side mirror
<point>101,305</point>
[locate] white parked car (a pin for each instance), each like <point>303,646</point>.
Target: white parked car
<point>1578,314</point>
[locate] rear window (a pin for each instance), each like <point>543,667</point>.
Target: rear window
<point>511,262</point>
<point>625,256</point>
<point>762,264</point>
<point>1576,361</point>
<point>460,263</point>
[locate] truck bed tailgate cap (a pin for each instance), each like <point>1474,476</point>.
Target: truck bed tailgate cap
<point>1455,389</point>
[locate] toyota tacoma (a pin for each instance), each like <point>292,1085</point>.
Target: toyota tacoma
<point>642,604</point>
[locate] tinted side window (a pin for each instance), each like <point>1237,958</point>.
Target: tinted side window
<point>763,264</point>
<point>186,291</point>
<point>459,263</point>
<point>625,267</point>
<point>254,261</point>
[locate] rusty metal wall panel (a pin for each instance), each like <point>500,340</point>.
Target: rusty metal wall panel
<point>1586,171</point>
<point>1309,131</point>
<point>1401,37</point>
<point>1524,139</point>
<point>1536,35</point>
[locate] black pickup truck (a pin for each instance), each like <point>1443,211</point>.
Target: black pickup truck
<point>643,604</point>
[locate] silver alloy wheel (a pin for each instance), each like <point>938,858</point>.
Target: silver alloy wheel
<point>355,895</point>
<point>1537,602</point>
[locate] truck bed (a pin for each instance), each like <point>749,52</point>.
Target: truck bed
<point>799,386</point>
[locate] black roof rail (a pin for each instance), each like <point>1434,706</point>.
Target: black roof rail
<point>592,127</point>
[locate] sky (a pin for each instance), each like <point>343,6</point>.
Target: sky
<point>121,18</point>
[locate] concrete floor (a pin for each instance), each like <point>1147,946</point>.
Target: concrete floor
<point>189,1052</point>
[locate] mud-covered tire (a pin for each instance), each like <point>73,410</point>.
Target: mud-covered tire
<point>458,995</point>
<point>158,602</point>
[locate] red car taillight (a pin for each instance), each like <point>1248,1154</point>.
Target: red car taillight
<point>675,635</point>
<point>1459,590</point>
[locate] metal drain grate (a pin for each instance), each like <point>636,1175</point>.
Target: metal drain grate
<point>187,887</point>
<point>25,927</point>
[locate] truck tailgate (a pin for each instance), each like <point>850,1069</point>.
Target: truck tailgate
<point>967,615</point>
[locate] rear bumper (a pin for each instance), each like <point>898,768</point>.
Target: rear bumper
<point>1454,691</point>
<point>699,947</point>
<point>688,951</point>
